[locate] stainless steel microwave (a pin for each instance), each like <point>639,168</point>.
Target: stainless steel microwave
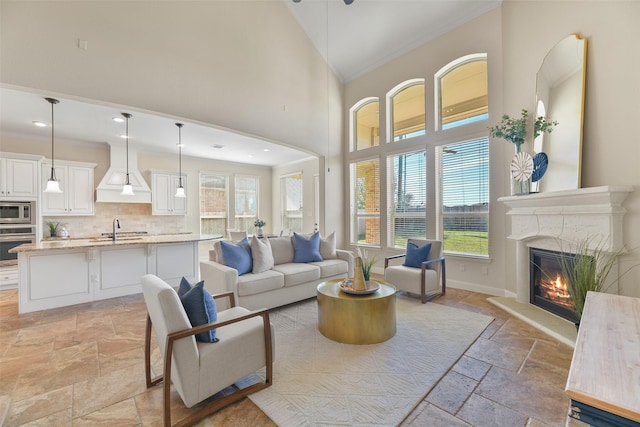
<point>17,212</point>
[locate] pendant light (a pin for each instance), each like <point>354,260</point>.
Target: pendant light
<point>180,189</point>
<point>53,186</point>
<point>127,188</point>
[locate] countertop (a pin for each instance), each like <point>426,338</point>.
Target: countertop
<point>107,241</point>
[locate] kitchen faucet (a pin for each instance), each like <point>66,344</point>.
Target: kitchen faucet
<point>116,222</point>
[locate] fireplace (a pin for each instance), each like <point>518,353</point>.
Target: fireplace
<point>557,219</point>
<point>547,286</point>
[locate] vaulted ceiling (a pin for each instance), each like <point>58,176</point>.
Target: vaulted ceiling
<point>354,39</point>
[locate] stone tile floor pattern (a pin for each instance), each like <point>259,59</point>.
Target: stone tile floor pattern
<point>83,365</point>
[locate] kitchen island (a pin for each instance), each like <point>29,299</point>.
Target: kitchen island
<point>58,273</point>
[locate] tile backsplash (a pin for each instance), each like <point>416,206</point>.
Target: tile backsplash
<point>132,216</point>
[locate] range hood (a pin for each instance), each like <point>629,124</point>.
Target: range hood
<point>110,187</point>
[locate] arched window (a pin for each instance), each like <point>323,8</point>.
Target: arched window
<point>406,110</point>
<point>365,124</point>
<point>462,92</point>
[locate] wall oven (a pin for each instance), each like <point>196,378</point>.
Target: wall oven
<point>17,227</point>
<point>10,237</point>
<point>17,213</point>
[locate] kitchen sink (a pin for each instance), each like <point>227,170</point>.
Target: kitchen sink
<point>119,239</point>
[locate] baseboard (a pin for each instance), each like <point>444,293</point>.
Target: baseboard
<point>474,287</point>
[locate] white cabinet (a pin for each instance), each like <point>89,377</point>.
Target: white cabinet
<point>53,279</point>
<point>120,270</point>
<point>60,277</point>
<point>18,178</point>
<point>163,191</point>
<point>8,277</point>
<point>76,183</point>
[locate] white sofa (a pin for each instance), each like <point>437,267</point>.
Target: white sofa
<point>286,282</point>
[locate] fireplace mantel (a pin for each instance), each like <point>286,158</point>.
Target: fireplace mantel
<point>546,220</point>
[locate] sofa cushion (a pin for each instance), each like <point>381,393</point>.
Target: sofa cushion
<point>256,283</point>
<point>199,306</point>
<point>332,267</point>
<point>306,249</point>
<point>261,254</point>
<point>237,255</point>
<point>297,273</point>
<point>282,249</point>
<point>416,255</point>
<point>328,247</point>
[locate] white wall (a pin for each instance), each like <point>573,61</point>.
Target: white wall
<point>517,37</point>
<point>610,149</point>
<point>230,63</point>
<point>482,35</point>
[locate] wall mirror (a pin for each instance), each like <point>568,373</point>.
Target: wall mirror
<point>560,89</point>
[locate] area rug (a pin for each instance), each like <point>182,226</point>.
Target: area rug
<point>317,381</point>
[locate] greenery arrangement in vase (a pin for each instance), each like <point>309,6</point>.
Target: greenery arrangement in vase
<point>258,223</point>
<point>367,263</point>
<point>514,130</point>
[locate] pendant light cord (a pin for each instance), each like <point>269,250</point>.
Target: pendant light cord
<point>179,153</point>
<point>52,101</point>
<point>328,102</point>
<point>53,169</point>
<point>127,143</point>
<point>127,116</point>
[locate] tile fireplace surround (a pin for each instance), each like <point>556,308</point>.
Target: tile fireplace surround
<point>557,220</point>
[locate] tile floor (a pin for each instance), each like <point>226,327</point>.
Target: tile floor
<point>84,366</point>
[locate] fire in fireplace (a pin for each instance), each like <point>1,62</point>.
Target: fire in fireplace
<point>547,285</point>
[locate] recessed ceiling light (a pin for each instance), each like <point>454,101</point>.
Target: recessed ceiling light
<point>250,155</point>
<point>123,136</point>
<point>40,124</point>
<point>118,119</point>
<point>265,150</point>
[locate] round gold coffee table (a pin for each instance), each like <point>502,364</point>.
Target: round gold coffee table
<point>356,319</point>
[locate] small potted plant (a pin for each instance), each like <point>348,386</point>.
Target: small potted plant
<point>53,228</point>
<point>586,270</point>
<point>259,224</point>
<point>367,263</point>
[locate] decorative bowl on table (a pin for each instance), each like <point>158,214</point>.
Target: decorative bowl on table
<point>346,286</point>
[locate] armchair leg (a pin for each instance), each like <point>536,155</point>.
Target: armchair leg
<point>217,404</point>
<point>147,356</point>
<point>423,289</point>
<point>444,279</point>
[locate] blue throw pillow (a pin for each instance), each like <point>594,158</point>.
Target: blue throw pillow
<point>237,255</point>
<point>306,250</point>
<point>200,307</point>
<point>416,255</point>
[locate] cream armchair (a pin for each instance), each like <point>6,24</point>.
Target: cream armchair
<point>199,370</point>
<point>428,281</point>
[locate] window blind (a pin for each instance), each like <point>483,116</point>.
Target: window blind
<point>407,197</point>
<point>465,196</point>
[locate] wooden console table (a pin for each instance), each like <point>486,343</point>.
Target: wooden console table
<point>604,379</point>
